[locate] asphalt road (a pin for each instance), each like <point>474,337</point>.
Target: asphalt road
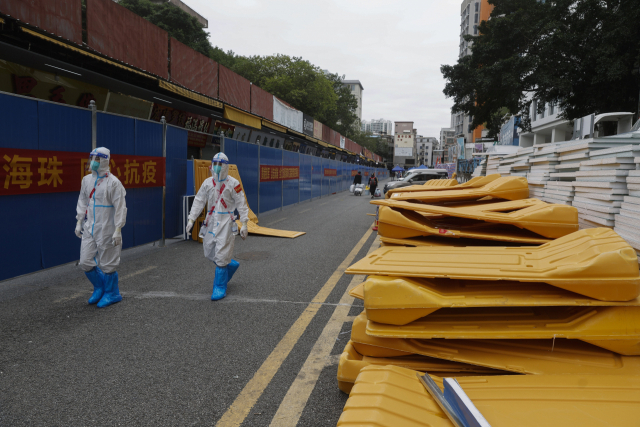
<point>167,355</point>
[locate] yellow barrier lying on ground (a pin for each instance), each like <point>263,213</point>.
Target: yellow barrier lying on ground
<point>614,328</point>
<point>203,172</point>
<point>406,224</point>
<point>540,356</point>
<point>595,262</point>
<point>393,396</point>
<point>547,220</point>
<point>507,187</point>
<point>443,241</point>
<point>351,362</point>
<point>399,301</point>
<point>445,184</point>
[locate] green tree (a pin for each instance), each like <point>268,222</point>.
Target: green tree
<point>178,23</point>
<point>582,55</point>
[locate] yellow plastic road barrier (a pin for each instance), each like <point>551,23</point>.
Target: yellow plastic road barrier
<point>543,356</point>
<point>385,396</point>
<point>399,301</point>
<point>358,292</point>
<point>440,183</point>
<point>614,328</point>
<point>203,172</point>
<point>595,262</point>
<point>442,241</point>
<point>547,220</point>
<point>351,362</point>
<point>478,181</point>
<point>506,187</point>
<point>406,224</point>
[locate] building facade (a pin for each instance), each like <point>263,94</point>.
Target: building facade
<point>404,144</point>
<point>546,126</point>
<point>424,150</point>
<point>378,126</point>
<point>472,12</point>
<point>356,89</point>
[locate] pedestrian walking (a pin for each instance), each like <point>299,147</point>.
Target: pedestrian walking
<point>223,195</point>
<point>373,183</point>
<point>101,213</point>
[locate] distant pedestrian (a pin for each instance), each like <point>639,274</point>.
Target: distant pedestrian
<point>373,183</point>
<point>357,179</point>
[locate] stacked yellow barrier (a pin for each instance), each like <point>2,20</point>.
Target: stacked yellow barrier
<point>445,295</point>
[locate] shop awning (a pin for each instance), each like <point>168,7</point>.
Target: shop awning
<point>240,116</point>
<point>83,52</point>
<point>274,126</point>
<point>189,94</point>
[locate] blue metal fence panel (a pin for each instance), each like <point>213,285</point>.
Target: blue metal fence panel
<point>325,179</point>
<point>146,217</point>
<point>20,253</point>
<point>58,244</point>
<point>191,179</point>
<point>316,173</point>
<point>247,162</point>
<point>18,117</point>
<point>290,187</point>
<point>116,133</point>
<point>176,179</point>
<point>270,191</point>
<point>63,128</point>
<point>305,177</point>
<point>148,138</point>
<point>231,150</point>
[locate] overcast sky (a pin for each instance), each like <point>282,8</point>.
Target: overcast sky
<point>395,48</point>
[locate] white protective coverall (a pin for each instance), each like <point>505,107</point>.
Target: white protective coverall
<point>102,200</point>
<point>223,195</point>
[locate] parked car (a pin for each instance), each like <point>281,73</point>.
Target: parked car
<point>417,177</point>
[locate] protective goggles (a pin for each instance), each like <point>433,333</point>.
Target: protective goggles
<point>97,156</point>
<point>219,162</point>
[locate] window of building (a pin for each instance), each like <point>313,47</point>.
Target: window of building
<point>534,111</point>
<point>475,19</point>
<point>552,108</point>
<point>477,7</point>
<point>475,30</point>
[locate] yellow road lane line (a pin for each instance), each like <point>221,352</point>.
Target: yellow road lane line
<point>306,210</point>
<point>238,411</point>
<point>144,270</point>
<point>296,399</point>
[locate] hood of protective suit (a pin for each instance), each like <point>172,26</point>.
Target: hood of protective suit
<point>224,171</point>
<point>104,162</point>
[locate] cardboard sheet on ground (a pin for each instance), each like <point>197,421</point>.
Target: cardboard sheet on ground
<point>506,187</point>
<point>451,184</point>
<point>406,224</point>
<point>351,362</point>
<point>614,328</point>
<point>595,262</point>
<point>540,356</point>
<point>547,220</point>
<point>203,172</point>
<point>399,301</point>
<point>394,396</point>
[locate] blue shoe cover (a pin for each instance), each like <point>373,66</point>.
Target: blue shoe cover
<point>111,291</point>
<point>220,284</point>
<point>96,277</point>
<point>233,266</point>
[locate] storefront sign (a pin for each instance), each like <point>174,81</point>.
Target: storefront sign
<point>278,173</point>
<point>330,172</point>
<point>39,171</point>
<point>186,120</point>
<point>307,124</point>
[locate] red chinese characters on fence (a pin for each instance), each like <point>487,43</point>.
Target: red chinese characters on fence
<point>330,172</point>
<point>39,171</point>
<point>278,173</point>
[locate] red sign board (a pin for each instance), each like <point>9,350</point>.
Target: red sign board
<point>39,171</point>
<point>330,172</point>
<point>354,172</point>
<point>278,173</point>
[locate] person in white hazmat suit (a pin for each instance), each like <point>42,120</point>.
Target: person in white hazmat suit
<point>223,195</point>
<point>101,213</point>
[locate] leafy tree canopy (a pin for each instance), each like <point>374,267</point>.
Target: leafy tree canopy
<point>582,55</point>
<point>294,80</point>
